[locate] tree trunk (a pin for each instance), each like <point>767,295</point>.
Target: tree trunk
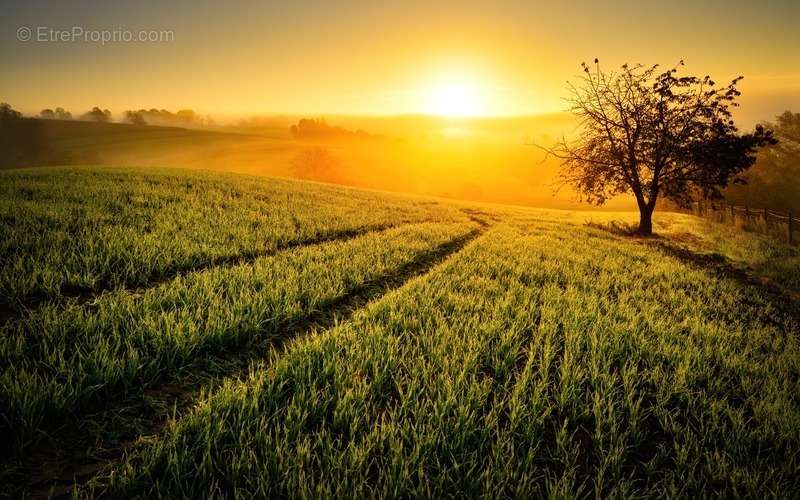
<point>645,220</point>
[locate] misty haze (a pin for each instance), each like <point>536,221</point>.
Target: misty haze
<point>400,249</point>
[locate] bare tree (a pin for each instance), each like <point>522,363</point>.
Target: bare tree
<point>654,134</point>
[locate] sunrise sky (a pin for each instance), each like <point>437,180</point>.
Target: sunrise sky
<point>469,58</point>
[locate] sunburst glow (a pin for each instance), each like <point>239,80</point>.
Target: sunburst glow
<point>456,98</point>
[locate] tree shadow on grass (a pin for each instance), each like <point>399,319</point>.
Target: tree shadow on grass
<point>785,302</point>
<point>615,227</point>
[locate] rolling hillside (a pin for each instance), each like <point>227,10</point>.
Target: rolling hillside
<point>179,333</point>
<point>81,142</point>
<point>488,160</point>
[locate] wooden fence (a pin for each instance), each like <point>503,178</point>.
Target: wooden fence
<point>782,225</point>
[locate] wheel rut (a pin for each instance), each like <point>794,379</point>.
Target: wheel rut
<point>56,469</point>
<point>79,295</point>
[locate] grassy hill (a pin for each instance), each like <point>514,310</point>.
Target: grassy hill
<point>188,334</point>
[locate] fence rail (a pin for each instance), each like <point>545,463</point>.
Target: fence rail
<point>782,225</point>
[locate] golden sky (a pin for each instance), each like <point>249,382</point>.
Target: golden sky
<point>485,58</point>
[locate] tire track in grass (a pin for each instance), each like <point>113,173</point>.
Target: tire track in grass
<point>479,216</point>
<point>56,471</point>
<point>79,295</point>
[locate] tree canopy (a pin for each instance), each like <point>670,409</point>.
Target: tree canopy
<point>654,133</point>
<point>97,115</point>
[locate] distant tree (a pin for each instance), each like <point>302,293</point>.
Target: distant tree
<point>58,114</point>
<point>310,129</point>
<point>774,181</point>
<point>186,116</point>
<point>654,134</point>
<point>63,115</point>
<point>163,117</point>
<point>135,118</point>
<point>8,114</point>
<point>316,164</point>
<point>97,115</point>
<point>320,130</point>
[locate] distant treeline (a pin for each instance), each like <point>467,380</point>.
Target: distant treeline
<point>57,114</point>
<point>153,116</point>
<point>320,130</point>
<point>94,115</point>
<point>23,143</point>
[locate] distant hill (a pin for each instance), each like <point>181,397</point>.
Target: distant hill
<point>73,142</point>
<point>102,139</point>
<point>482,159</point>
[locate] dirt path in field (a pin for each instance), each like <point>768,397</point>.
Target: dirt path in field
<point>84,295</point>
<point>56,469</point>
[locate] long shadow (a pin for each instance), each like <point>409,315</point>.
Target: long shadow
<point>55,468</point>
<point>10,310</point>
<point>785,302</point>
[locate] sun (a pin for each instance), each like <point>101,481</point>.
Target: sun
<point>454,98</point>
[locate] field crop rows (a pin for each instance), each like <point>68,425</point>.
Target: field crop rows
<point>487,351</point>
<point>84,231</point>
<point>528,365</point>
<point>317,253</point>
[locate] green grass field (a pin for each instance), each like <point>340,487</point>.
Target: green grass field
<point>188,334</point>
